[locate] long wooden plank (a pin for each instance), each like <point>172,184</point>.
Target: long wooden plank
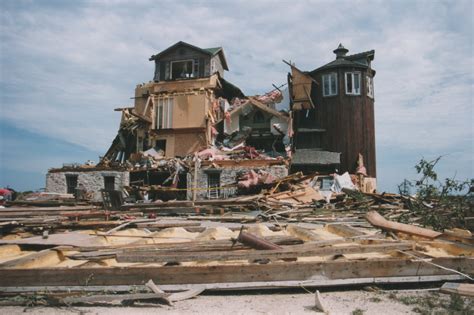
<point>285,253</point>
<point>257,285</point>
<point>284,271</point>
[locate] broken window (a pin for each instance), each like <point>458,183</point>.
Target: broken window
<point>370,86</point>
<point>71,183</point>
<point>164,113</point>
<point>213,184</point>
<point>182,69</point>
<point>353,83</point>
<point>160,145</point>
<point>109,183</point>
<point>330,84</point>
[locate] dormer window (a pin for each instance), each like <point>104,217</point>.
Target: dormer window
<point>352,83</point>
<point>182,69</point>
<point>330,84</point>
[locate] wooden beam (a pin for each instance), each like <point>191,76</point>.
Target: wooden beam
<point>283,271</point>
<point>255,285</point>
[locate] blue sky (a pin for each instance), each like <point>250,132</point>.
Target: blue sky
<point>65,65</point>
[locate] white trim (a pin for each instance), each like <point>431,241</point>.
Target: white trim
<point>369,86</point>
<point>352,73</point>
<point>184,60</point>
<point>331,92</point>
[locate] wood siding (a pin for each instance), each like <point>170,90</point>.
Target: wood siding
<point>347,119</point>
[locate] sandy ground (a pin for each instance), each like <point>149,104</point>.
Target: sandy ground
<point>292,302</point>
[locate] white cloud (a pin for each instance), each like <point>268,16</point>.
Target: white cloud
<point>64,69</point>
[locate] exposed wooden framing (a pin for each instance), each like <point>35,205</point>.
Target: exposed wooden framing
<point>172,275</point>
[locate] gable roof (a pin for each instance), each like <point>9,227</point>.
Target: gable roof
<point>208,51</point>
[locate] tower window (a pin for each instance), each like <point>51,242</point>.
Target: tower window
<point>370,86</point>
<point>330,84</point>
<point>353,83</point>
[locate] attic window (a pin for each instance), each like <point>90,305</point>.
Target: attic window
<point>353,83</point>
<point>182,69</point>
<point>330,84</point>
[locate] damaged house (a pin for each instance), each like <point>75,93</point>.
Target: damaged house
<point>193,135</point>
<point>188,107</point>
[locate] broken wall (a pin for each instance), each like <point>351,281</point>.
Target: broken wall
<point>92,181</point>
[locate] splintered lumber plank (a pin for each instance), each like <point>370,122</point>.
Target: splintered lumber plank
<point>285,253</point>
<point>379,221</point>
<point>278,271</point>
<point>303,233</point>
<point>453,248</point>
<point>466,289</point>
<point>344,230</point>
<point>193,246</point>
<point>31,260</point>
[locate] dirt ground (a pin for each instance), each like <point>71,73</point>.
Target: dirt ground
<point>355,302</point>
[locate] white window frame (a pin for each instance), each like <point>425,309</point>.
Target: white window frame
<point>353,74</point>
<point>329,76</point>
<point>370,86</point>
<point>179,61</point>
<point>164,113</point>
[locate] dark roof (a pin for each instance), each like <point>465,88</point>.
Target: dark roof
<point>366,54</point>
<point>313,156</point>
<point>339,63</point>
<point>349,61</point>
<point>208,51</point>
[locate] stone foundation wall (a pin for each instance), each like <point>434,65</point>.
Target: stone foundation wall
<point>91,181</point>
<point>228,176</point>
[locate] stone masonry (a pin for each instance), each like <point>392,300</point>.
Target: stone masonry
<point>91,181</point>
